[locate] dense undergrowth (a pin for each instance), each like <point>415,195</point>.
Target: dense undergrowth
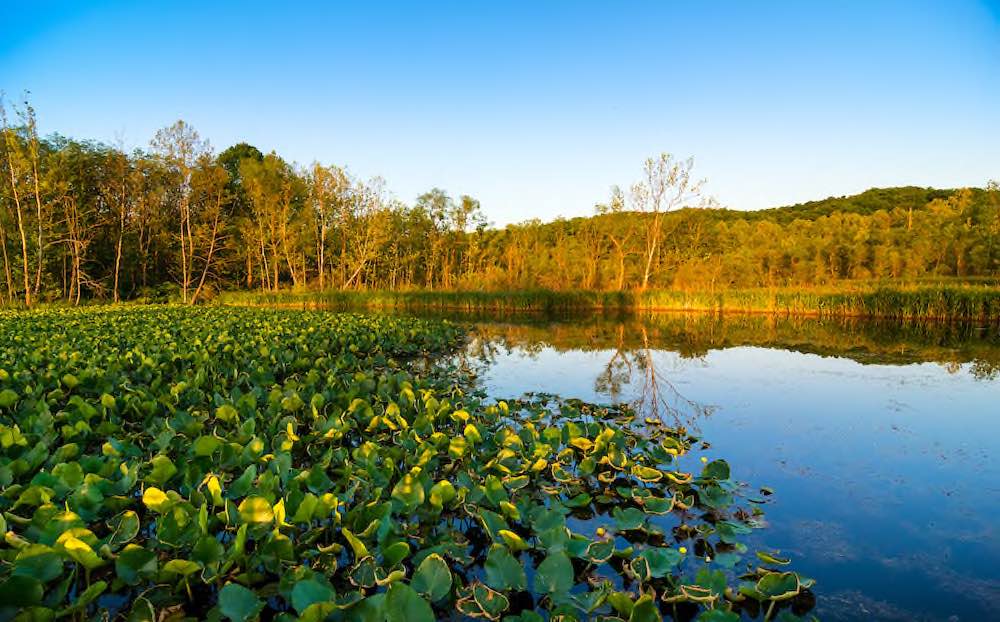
<point>957,301</point>
<point>221,463</point>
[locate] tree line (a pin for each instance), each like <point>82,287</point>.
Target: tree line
<point>85,220</point>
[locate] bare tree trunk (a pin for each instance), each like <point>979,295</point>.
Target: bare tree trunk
<point>8,276</point>
<point>320,258</point>
<point>118,251</point>
<point>79,273</point>
<point>284,250</point>
<point>38,215</point>
<point>654,240</point>
<point>24,239</point>
<point>143,242</point>
<point>275,267</point>
<point>184,260</point>
<point>265,272</point>
<point>72,278</point>
<point>208,259</point>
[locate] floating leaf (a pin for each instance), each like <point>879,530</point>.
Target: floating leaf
<point>163,470</point>
<point>503,572</point>
<point>772,558</point>
<point>629,518</point>
<point>554,574</point>
<point>134,564</point>
<point>238,603</point>
<point>778,585</point>
<point>645,610</point>
<point>432,577</point>
<point>490,602</point>
<point>256,510</point>
<point>404,604</point>
<point>395,553</point>
<point>512,540</point>
<point>81,552</point>
<point>21,591</point>
<point>156,500</point>
<point>38,562</point>
<point>8,397</point>
<point>124,528</point>
<point>309,592</point>
<point>716,469</point>
<point>182,567</point>
<point>409,492</point>
<point>359,548</point>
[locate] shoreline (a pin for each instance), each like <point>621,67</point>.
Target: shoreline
<point>945,304</point>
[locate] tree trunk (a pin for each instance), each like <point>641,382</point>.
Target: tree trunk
<point>118,251</point>
<point>654,240</point>
<point>320,253</point>
<point>208,260</point>
<point>24,248</point>
<point>8,276</point>
<point>184,260</point>
<point>38,213</point>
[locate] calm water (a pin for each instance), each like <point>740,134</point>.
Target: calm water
<point>880,440</point>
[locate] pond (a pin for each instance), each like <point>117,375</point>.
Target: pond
<point>879,440</point>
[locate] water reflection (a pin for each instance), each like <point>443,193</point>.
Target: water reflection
<point>879,438</point>
<point>956,346</point>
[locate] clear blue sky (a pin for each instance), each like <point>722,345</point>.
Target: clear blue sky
<point>537,108</point>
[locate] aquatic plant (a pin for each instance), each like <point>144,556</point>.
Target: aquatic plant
<point>944,301</point>
<point>227,463</point>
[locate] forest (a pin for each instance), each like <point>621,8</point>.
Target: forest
<point>83,220</point>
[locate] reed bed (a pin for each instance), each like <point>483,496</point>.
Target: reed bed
<point>944,302</point>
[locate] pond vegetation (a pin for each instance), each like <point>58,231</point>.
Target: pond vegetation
<point>943,301</point>
<point>223,463</point>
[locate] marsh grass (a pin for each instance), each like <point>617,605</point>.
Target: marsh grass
<point>952,301</point>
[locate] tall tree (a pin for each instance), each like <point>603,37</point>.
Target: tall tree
<point>180,147</point>
<point>666,185</point>
<point>619,230</point>
<point>17,158</point>
<point>209,183</point>
<point>329,197</point>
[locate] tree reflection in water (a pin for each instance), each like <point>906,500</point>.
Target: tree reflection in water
<point>638,347</point>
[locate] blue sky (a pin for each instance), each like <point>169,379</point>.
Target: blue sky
<point>537,108</point>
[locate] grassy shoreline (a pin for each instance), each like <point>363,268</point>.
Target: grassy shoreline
<point>935,302</point>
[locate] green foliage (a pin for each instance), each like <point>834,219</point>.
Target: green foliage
<point>254,221</point>
<point>255,463</point>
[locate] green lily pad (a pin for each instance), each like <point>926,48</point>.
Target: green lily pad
<point>716,469</point>
<point>404,604</point>
<point>409,492</point>
<point>645,610</point>
<point>778,585</point>
<point>135,564</point>
<point>503,571</point>
<point>432,577</point>
<point>554,575</point>
<point>238,603</point>
<point>256,510</point>
<point>8,397</point>
<point>309,592</point>
<point>629,518</point>
<point>491,602</point>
